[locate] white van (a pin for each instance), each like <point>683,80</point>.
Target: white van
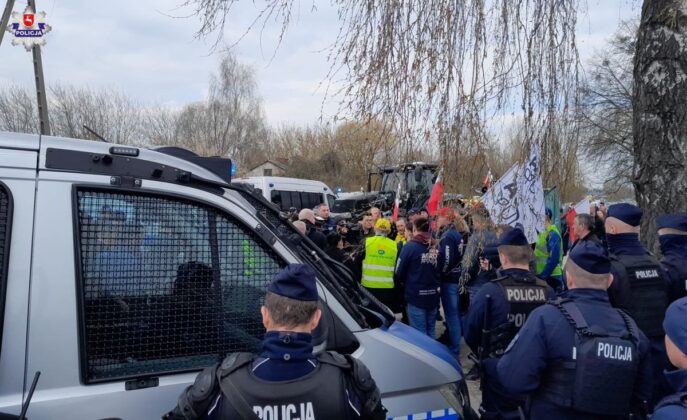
<point>291,192</point>
<point>125,271</point>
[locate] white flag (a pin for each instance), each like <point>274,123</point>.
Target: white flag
<point>531,191</point>
<point>583,207</point>
<point>502,199</point>
<point>517,198</point>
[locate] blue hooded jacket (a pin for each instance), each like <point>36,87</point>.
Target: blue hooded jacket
<point>449,255</point>
<point>417,268</point>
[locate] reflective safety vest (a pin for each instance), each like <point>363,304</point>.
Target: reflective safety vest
<point>541,254</point>
<point>379,263</point>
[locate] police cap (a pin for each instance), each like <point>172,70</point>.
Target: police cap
<point>413,211</point>
<point>513,236</point>
<point>674,323</point>
<point>672,221</point>
<point>627,213</point>
<point>296,281</point>
<point>591,257</point>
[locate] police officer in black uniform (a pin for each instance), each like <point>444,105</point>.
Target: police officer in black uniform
<point>674,406</point>
<point>672,235</point>
<point>497,313</point>
<point>577,357</point>
<point>287,380</point>
<point>639,285</point>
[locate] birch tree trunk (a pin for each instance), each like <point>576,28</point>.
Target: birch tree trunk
<point>660,113</point>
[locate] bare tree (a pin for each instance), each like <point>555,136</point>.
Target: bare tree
<point>438,70</point>
<point>659,123</point>
<point>606,114</point>
<point>112,114</point>
<point>18,110</point>
<point>231,121</point>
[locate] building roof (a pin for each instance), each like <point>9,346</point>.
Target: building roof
<point>279,163</point>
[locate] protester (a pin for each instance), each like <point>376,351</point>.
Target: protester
<point>505,303</point>
<point>639,286</point>
<point>417,270</point>
<point>335,247</point>
<point>327,385</point>
<point>302,228</point>
<point>599,223</point>
<point>583,226</point>
<point>548,254</point>
<point>366,226</point>
<point>401,230</point>
<point>449,259</point>
<point>328,222</point>
<point>307,216</point>
<point>674,406</point>
<point>565,231</point>
<point>482,236</point>
<point>413,214</point>
<point>577,357</point>
<point>378,264</point>
<point>672,236</point>
<point>376,214</point>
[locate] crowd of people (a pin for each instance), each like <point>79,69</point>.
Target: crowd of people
<point>594,337</point>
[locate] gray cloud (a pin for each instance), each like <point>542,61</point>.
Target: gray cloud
<point>136,47</point>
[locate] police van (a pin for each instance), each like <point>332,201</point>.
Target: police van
<point>290,193</point>
<point>125,271</point>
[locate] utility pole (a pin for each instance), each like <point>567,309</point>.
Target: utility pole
<point>5,18</point>
<point>44,123</point>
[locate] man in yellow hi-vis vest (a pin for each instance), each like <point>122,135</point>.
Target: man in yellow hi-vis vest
<point>379,262</point>
<point>548,254</point>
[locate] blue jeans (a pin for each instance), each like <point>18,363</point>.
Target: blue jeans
<point>423,320</point>
<point>449,300</point>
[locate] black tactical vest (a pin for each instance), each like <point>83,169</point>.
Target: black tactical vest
<point>601,379</point>
<point>677,270</point>
<point>523,296</point>
<point>319,395</point>
<point>645,290</point>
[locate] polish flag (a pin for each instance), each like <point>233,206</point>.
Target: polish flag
<point>397,200</point>
<point>436,196</point>
<point>487,180</point>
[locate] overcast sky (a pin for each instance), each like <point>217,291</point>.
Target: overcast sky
<point>147,49</point>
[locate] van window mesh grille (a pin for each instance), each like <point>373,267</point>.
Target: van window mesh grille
<point>167,285</point>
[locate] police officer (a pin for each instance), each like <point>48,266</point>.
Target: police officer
<point>504,304</point>
<point>672,235</point>
<point>548,253</point>
<point>639,286</point>
<point>674,406</point>
<point>287,380</point>
<point>378,264</point>
<point>577,357</point>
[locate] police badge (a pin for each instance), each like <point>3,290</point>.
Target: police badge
<point>28,28</point>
